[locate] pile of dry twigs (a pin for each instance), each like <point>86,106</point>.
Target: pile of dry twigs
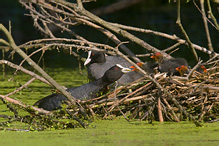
<point>181,98</point>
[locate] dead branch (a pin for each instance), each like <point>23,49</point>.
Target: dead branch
<point>24,70</point>
<point>13,101</point>
<point>206,25</point>
<point>178,21</point>
<point>35,66</point>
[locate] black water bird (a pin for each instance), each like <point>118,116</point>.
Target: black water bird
<point>98,63</point>
<point>86,91</point>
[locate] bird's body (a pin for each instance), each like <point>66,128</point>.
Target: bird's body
<point>169,65</point>
<point>84,92</point>
<point>99,63</point>
<point>96,70</point>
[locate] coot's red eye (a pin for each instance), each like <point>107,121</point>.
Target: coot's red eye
<point>92,54</point>
<point>116,68</point>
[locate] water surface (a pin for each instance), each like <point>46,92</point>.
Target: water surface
<point>120,132</point>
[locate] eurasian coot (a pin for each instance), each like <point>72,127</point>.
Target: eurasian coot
<point>86,91</point>
<point>99,63</point>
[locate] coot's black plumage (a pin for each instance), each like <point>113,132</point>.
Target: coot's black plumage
<point>169,65</point>
<point>86,91</point>
<point>99,63</point>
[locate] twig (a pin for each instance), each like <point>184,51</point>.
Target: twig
<point>25,71</point>
<point>159,108</point>
<point>205,17</point>
<point>172,47</point>
<point>113,28</point>
<point>171,109</point>
<point>123,99</point>
<point>43,48</point>
<point>193,69</point>
<point>80,5</point>
<point>118,5</point>
<point>11,108</point>
<point>172,37</point>
<point>20,88</point>
<point>25,106</point>
<point>178,21</point>
<point>206,25</point>
<point>212,16</point>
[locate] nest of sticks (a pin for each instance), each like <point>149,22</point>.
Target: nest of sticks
<point>193,96</point>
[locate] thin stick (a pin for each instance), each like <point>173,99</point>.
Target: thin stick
<point>206,25</point>
<point>178,21</point>
<point>212,16</point>
<point>25,71</point>
<point>171,109</point>
<point>161,34</point>
<point>159,108</point>
<point>25,106</point>
<point>20,88</point>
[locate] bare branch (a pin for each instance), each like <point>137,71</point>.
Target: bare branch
<point>178,21</point>
<point>206,25</point>
<point>35,66</point>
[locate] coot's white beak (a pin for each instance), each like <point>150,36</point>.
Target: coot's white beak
<point>88,58</point>
<point>124,69</point>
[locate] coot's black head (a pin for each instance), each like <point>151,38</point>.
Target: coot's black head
<point>95,57</point>
<point>114,73</point>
